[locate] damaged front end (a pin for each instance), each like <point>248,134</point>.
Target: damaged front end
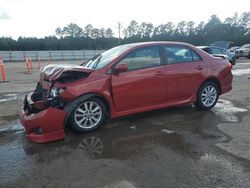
<point>43,118</point>
<point>43,112</point>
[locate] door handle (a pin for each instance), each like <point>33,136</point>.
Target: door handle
<point>159,73</point>
<point>199,67</point>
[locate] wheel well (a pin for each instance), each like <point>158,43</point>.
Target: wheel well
<point>103,99</point>
<point>214,80</point>
<point>68,107</point>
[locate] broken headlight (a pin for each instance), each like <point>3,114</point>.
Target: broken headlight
<point>56,91</point>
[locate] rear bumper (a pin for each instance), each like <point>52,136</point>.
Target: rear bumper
<point>44,126</point>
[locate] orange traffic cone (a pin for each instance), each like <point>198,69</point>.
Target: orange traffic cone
<point>27,66</point>
<point>30,63</point>
<point>2,71</point>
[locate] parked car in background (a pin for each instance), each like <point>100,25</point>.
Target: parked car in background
<point>217,51</point>
<point>124,80</point>
<point>223,44</point>
<point>232,49</point>
<point>243,51</point>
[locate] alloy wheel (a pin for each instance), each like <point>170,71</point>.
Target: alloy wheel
<point>209,95</point>
<point>88,114</point>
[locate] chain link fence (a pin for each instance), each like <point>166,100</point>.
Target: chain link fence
<point>15,56</point>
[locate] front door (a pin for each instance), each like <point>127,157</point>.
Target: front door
<point>144,84</point>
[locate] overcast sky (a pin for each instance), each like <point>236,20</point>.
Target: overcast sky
<point>39,18</point>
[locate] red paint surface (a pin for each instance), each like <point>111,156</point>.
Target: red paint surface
<point>51,122</point>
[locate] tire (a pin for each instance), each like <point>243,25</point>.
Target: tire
<point>87,114</point>
<point>248,57</point>
<point>205,102</point>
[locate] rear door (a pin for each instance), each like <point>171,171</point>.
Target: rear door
<point>144,84</point>
<point>185,72</point>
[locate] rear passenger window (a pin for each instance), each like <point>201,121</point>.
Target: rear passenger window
<point>180,54</point>
<point>143,58</point>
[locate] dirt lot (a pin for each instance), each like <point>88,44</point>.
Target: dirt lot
<point>175,147</point>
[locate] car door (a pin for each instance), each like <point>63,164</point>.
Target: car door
<point>185,72</point>
<point>144,84</point>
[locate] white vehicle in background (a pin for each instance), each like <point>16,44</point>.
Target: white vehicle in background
<point>243,51</point>
<point>232,49</point>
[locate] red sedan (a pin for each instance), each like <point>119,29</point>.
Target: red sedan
<point>124,80</point>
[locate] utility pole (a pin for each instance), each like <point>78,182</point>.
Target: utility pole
<point>119,31</point>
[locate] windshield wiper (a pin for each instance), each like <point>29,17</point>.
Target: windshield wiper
<point>89,61</point>
<point>97,61</point>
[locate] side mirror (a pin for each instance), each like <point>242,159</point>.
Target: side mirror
<point>122,67</point>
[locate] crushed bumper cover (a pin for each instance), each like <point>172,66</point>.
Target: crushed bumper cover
<point>44,126</point>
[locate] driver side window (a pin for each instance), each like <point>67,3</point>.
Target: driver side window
<point>143,58</point>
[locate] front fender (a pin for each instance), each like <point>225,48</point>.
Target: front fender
<point>69,107</point>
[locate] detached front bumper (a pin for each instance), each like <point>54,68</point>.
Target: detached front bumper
<point>44,126</point>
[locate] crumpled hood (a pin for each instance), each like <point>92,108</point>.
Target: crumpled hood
<point>52,72</point>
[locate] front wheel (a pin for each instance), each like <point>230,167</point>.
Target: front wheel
<point>208,95</point>
<point>88,115</point>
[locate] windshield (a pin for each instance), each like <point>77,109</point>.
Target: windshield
<point>105,58</point>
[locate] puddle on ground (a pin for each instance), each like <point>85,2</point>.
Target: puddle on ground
<point>12,127</point>
<point>8,97</point>
<point>119,143</point>
<point>136,144</point>
<point>137,135</point>
<point>174,135</point>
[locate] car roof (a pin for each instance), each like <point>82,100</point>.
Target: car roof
<point>155,43</point>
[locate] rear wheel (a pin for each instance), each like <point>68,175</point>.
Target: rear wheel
<point>88,115</point>
<point>208,95</point>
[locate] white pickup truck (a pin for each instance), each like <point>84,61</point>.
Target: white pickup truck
<point>243,51</point>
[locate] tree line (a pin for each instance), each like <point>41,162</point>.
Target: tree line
<point>72,37</point>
